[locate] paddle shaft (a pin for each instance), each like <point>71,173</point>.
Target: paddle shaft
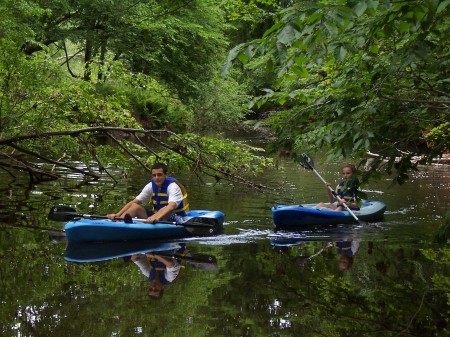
<point>197,258</point>
<point>335,195</point>
<point>93,216</point>
<point>304,260</point>
<point>191,222</point>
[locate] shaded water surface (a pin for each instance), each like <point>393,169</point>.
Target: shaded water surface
<point>380,279</point>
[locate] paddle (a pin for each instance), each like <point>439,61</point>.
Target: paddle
<point>203,261</point>
<point>197,226</point>
<point>67,213</point>
<point>308,164</point>
<point>303,260</point>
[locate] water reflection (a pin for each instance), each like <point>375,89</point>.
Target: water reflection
<point>347,250</point>
<point>391,289</point>
<point>161,263</point>
<point>345,240</point>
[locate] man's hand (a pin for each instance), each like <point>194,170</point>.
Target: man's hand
<point>152,219</point>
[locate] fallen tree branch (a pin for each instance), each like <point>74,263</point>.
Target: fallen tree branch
<point>51,161</point>
<point>124,148</point>
<point>198,163</point>
<point>146,146</point>
<point>202,164</point>
<point>101,168</point>
<point>77,132</point>
<point>32,171</point>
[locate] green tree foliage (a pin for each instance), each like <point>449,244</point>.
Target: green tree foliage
<point>220,159</point>
<point>249,19</point>
<point>358,76</point>
<point>78,76</point>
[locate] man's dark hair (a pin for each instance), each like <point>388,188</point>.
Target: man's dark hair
<point>157,166</point>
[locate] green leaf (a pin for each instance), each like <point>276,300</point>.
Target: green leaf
<point>442,6</point>
<point>287,35</point>
<point>300,71</point>
<point>340,53</point>
<point>404,27</point>
<point>374,49</point>
<point>360,8</point>
<point>232,55</point>
<point>243,58</point>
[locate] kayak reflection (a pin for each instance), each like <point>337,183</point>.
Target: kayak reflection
<point>345,244</point>
<point>161,263</point>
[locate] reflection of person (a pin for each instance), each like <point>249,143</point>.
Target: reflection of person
<point>159,270</point>
<point>347,250</point>
<point>166,195</point>
<point>346,190</point>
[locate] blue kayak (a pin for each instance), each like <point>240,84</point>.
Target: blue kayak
<point>199,223</point>
<point>309,214</point>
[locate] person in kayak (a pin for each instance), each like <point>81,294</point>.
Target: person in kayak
<point>166,196</point>
<point>346,190</point>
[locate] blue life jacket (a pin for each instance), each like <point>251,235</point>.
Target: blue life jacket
<point>346,191</point>
<point>344,247</point>
<point>160,198</point>
<point>157,269</point>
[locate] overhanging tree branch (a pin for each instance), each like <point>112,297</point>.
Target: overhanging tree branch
<point>131,154</point>
<point>77,132</point>
<point>201,164</point>
<point>191,151</point>
<point>51,161</point>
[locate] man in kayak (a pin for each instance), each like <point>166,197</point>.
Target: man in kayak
<point>166,196</point>
<point>346,190</point>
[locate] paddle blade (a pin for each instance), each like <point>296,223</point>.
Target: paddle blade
<point>62,213</point>
<point>306,162</point>
<point>201,226</point>
<point>202,261</point>
<point>127,218</point>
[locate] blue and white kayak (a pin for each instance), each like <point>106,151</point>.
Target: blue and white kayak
<point>199,223</point>
<point>310,215</point>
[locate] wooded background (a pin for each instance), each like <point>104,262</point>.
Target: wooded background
<point>79,79</point>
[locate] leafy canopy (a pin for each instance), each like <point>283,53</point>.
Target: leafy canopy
<point>105,81</point>
<point>349,71</point>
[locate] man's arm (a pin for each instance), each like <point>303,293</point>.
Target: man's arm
<point>172,267</point>
<point>124,209</point>
<point>142,262</point>
<point>163,212</point>
<point>142,198</point>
